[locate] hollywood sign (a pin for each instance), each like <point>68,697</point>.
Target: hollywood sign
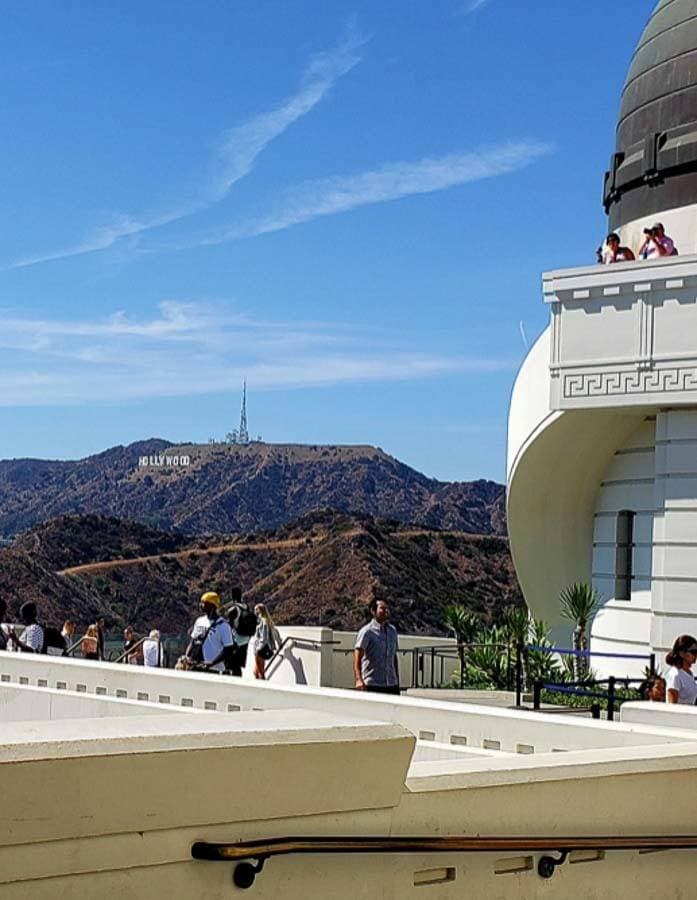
<point>148,461</point>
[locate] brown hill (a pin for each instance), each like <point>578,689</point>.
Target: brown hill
<point>234,489</point>
<point>321,569</point>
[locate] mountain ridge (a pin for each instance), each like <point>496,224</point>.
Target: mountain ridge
<point>321,569</point>
<point>240,488</point>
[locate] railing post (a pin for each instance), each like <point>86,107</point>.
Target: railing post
<point>519,675</point>
<point>595,710</point>
<point>652,664</point>
<point>536,693</point>
<point>611,698</point>
<point>433,666</point>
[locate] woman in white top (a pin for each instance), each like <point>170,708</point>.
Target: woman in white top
<point>680,682</point>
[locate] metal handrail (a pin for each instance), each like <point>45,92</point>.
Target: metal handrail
<point>245,872</point>
<point>138,644</point>
<point>75,646</point>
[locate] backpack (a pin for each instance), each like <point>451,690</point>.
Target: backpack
<point>53,639</point>
<point>245,622</point>
<point>196,646</point>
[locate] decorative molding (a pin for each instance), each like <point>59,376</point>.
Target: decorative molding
<point>619,383</point>
<point>645,312</point>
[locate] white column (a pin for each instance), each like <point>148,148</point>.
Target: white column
<point>674,570</point>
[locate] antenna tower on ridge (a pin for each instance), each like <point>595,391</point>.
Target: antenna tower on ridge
<point>243,434</point>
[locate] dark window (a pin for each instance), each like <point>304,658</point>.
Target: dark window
<point>624,558</point>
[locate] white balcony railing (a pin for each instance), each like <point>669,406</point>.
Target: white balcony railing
<point>624,335</point>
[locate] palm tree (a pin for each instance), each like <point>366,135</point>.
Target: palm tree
<point>579,604</point>
<point>517,623</point>
<point>464,626</point>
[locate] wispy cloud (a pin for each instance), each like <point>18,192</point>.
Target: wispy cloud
<point>470,7</point>
<point>190,349</point>
<point>392,181</point>
<point>236,153</point>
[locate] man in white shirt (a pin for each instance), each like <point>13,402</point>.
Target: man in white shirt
<point>656,243</point>
<point>211,635</point>
<point>152,655</point>
<point>32,638</point>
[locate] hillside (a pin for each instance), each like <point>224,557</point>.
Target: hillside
<point>321,569</point>
<point>236,489</point>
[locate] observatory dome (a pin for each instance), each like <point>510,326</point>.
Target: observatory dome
<point>653,171</point>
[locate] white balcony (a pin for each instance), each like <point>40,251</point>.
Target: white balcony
<point>623,335</point>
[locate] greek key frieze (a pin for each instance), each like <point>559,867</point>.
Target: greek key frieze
<point>604,384</point>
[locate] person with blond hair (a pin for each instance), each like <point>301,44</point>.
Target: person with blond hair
<point>264,642</point>
<point>90,642</point>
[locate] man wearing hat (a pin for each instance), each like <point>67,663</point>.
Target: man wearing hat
<point>656,243</point>
<point>211,636</point>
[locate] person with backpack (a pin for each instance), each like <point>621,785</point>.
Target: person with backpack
<point>32,638</point>
<point>244,625</point>
<point>211,637</point>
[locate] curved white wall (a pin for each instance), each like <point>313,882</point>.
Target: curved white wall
<point>624,626</point>
<point>680,224</point>
<point>555,464</point>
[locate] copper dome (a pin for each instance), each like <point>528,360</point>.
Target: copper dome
<point>654,167</point>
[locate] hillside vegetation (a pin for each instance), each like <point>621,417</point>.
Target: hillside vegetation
<point>237,489</point>
<point>320,569</point>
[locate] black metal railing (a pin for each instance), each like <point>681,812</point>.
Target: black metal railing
<point>592,688</point>
<point>245,872</point>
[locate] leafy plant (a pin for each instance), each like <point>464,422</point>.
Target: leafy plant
<point>579,604</point>
<point>464,626</point>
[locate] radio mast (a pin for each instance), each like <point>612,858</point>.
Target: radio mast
<point>243,434</point>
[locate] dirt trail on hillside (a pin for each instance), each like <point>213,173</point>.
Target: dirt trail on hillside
<point>93,568</point>
<point>88,568</point>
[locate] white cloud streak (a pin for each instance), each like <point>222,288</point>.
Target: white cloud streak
<point>392,181</point>
<point>471,7</point>
<point>237,152</point>
<point>191,349</point>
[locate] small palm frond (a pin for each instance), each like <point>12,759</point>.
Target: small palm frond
<point>579,603</point>
<point>461,622</point>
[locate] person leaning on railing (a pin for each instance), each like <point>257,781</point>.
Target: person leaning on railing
<point>680,682</point>
<point>657,243</point>
<point>613,252</point>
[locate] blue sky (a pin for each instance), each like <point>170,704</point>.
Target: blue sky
<point>349,203</point>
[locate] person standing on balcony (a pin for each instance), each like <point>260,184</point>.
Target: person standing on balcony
<point>375,665</point>
<point>680,682</point>
<point>656,244</point>
<point>67,633</point>
<point>265,641</point>
<point>613,252</point>
<point>131,647</point>
<point>244,625</point>
<point>152,650</point>
<point>211,637</point>
<point>32,638</point>
<point>100,637</point>
<point>90,642</point>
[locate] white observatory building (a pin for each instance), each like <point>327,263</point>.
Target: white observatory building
<point>602,440</point>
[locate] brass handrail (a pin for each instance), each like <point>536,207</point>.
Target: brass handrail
<point>262,850</point>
